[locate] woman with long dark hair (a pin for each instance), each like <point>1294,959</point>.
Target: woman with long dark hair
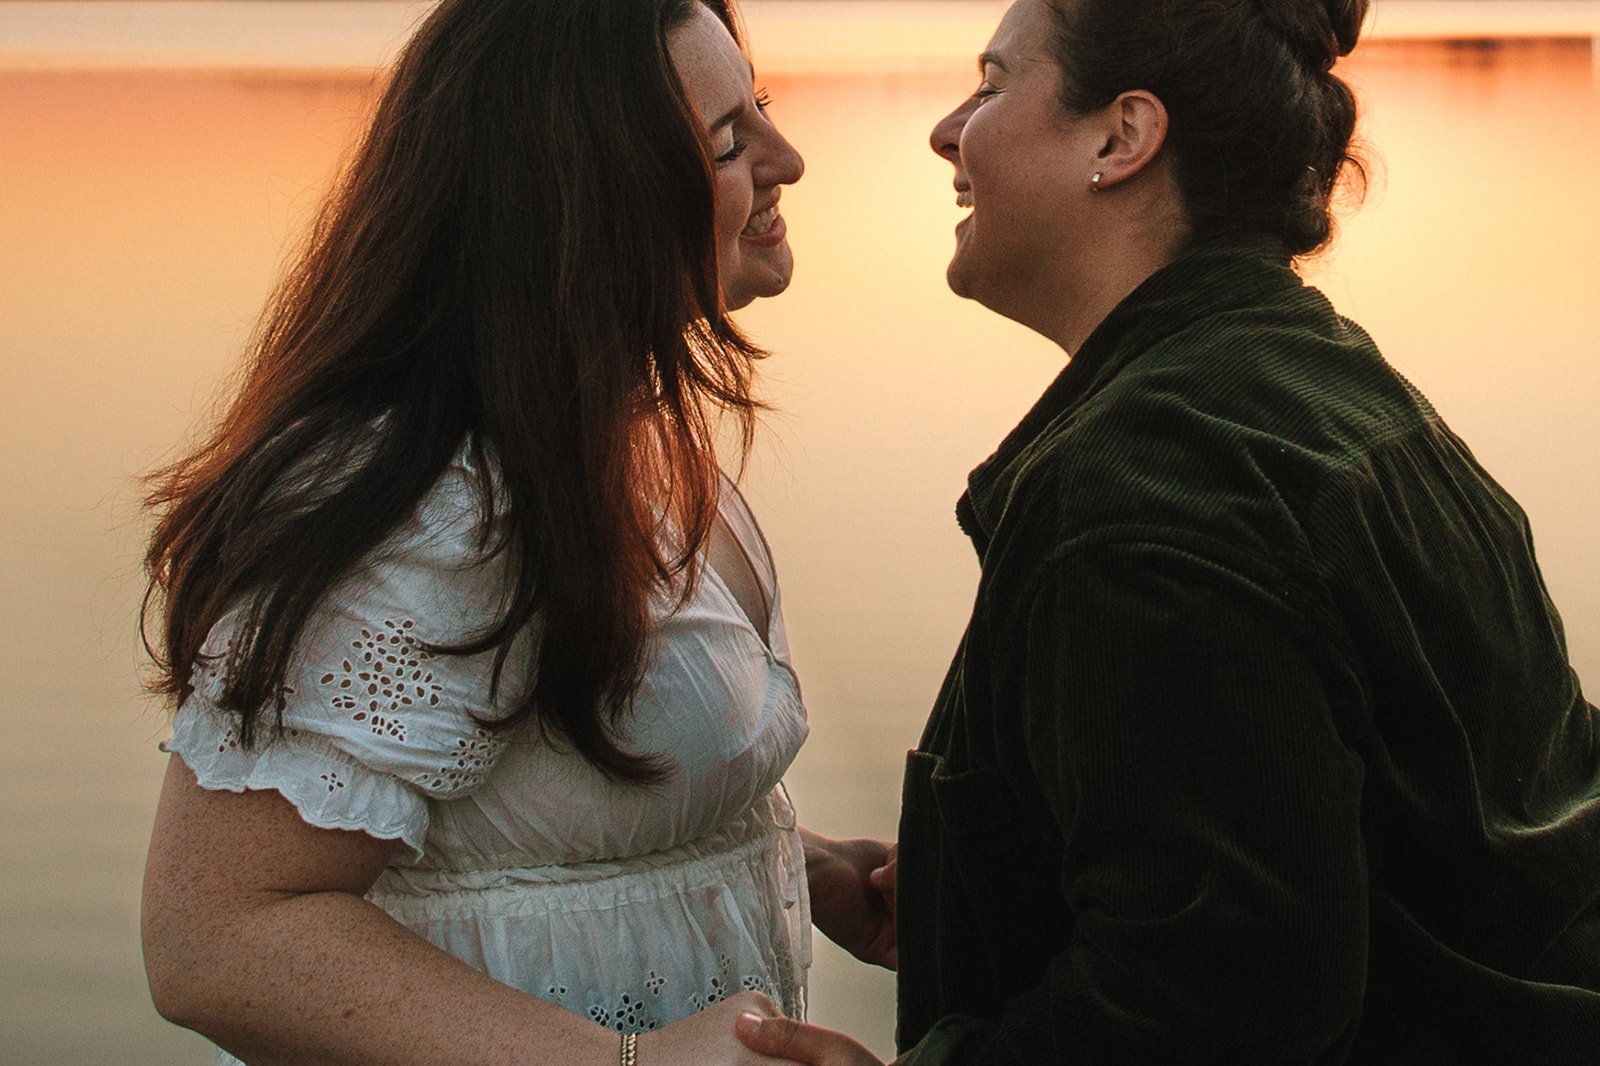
<point>1262,745</point>
<point>484,694</point>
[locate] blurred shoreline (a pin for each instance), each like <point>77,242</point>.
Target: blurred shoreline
<point>817,36</point>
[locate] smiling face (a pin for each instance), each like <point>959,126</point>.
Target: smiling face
<point>1023,165</point>
<point>752,159</point>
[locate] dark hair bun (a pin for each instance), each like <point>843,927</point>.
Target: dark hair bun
<point>1318,31</point>
<point>1259,127</point>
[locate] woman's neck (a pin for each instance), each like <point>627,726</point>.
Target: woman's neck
<point>1139,229</point>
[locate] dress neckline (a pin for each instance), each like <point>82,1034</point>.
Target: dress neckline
<point>742,527</point>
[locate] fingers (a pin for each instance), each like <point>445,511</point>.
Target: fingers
<point>785,1038</point>
<point>755,1033</point>
<point>885,877</point>
<point>707,1037</point>
<point>883,880</point>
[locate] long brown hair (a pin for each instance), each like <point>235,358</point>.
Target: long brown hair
<point>519,255</point>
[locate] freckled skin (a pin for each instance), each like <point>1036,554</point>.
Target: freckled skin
<point>753,158</point>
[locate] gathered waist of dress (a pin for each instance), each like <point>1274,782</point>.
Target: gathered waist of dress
<point>769,826</point>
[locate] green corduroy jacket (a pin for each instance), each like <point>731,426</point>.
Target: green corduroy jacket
<point>1262,745</point>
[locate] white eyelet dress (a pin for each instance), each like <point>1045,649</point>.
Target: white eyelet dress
<point>634,906</point>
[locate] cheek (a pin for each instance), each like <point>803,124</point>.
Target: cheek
<point>973,144</point>
<point>1008,151</point>
<point>734,195</point>
<point>991,170</point>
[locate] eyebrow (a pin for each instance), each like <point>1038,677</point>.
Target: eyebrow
<point>991,57</point>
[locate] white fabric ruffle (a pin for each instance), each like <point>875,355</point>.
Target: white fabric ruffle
<point>634,906</point>
<point>329,788</point>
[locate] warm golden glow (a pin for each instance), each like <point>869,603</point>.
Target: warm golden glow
<point>144,214</point>
<point>801,35</point>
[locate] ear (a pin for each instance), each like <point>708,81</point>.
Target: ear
<point>1135,127</point>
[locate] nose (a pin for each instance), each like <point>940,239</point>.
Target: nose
<point>781,164</point>
<point>946,137</point>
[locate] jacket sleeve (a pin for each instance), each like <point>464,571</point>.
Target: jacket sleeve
<point>1178,724</point>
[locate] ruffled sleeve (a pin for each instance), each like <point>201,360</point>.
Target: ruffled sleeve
<point>376,723</point>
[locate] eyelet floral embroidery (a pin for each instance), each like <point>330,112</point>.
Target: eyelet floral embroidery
<point>630,1016</point>
<point>473,756</point>
<point>631,1013</point>
<point>208,681</point>
<point>390,739</point>
<point>386,674</point>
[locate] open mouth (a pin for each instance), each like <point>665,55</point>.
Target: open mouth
<point>963,197</point>
<point>761,223</point>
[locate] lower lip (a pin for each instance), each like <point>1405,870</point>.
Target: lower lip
<point>769,239</point>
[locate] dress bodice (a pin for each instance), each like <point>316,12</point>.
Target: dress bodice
<point>635,905</point>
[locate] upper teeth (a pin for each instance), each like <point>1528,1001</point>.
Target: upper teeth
<point>761,223</point>
<point>963,197</point>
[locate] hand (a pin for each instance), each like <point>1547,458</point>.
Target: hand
<point>707,1038</point>
<point>852,895</point>
<point>886,877</point>
<point>811,1045</point>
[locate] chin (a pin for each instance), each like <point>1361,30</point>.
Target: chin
<point>959,283</point>
<point>750,290</point>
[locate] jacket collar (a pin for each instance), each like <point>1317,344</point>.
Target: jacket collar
<point>1212,275</point>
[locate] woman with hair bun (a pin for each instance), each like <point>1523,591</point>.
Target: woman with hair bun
<point>484,692</point>
<point>1262,745</point>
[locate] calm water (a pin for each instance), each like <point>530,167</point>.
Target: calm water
<point>143,215</point>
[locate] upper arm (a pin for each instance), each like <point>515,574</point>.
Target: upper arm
<point>378,717</point>
<point>1153,666</point>
<point>215,855</point>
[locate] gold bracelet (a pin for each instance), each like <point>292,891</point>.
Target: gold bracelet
<point>630,1049</point>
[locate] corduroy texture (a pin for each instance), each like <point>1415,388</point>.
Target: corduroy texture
<point>1262,745</point>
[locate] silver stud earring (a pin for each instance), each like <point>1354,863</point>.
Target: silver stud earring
<point>1094,182</point>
